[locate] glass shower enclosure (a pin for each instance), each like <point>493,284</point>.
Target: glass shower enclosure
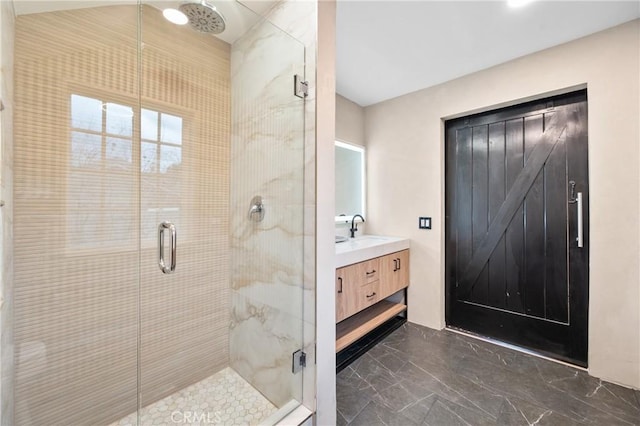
<point>158,218</point>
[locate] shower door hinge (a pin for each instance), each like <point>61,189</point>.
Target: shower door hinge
<point>300,87</point>
<point>299,361</point>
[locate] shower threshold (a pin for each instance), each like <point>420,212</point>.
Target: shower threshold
<point>222,399</point>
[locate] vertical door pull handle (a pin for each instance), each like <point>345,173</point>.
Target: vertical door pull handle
<point>399,264</point>
<point>580,238</point>
<point>167,269</point>
<point>395,265</point>
<point>340,281</point>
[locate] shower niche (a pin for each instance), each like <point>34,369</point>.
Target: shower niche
<point>125,121</point>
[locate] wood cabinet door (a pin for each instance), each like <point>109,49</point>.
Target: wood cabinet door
<point>402,274</point>
<point>348,283</point>
<point>340,296</point>
<point>394,273</point>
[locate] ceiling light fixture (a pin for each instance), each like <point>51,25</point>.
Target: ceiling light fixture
<point>518,3</point>
<point>175,16</point>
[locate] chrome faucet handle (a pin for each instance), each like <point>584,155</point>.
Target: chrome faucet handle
<point>256,210</point>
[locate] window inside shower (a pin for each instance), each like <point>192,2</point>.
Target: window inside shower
<point>102,150</point>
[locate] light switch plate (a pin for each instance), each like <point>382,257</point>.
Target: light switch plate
<point>424,222</point>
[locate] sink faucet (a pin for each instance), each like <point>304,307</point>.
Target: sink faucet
<point>354,225</point>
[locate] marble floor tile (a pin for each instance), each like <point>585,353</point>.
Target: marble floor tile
<point>340,420</point>
<point>418,411</point>
<point>374,413</point>
<point>515,411</point>
<point>444,412</point>
<point>419,376</point>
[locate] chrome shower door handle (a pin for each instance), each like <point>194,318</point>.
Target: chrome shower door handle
<point>161,262</point>
<point>580,238</point>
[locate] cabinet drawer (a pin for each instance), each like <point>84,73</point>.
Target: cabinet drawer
<point>367,295</point>
<point>369,271</point>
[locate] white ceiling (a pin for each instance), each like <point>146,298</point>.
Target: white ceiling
<point>239,16</point>
<point>389,48</point>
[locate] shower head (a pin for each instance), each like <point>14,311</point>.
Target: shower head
<point>204,17</point>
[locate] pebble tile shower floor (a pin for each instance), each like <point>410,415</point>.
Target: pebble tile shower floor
<point>224,399</point>
<point>419,376</point>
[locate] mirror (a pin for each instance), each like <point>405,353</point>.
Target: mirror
<point>350,181</point>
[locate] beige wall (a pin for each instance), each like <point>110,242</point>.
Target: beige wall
<point>349,121</point>
<point>406,178</point>
<point>7,22</point>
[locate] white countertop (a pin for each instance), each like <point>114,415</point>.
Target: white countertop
<point>367,247</point>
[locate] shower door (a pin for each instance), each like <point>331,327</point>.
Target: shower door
<point>184,199</point>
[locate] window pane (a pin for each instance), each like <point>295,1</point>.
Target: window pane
<point>86,113</point>
<point>118,153</point>
<point>149,124</point>
<point>119,195</point>
<point>86,150</point>
<point>149,224</point>
<point>148,207</point>
<point>84,192</point>
<point>148,163</point>
<point>171,131</point>
<point>170,158</point>
<point>119,119</point>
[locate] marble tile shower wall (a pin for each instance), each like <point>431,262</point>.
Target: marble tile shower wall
<point>269,157</point>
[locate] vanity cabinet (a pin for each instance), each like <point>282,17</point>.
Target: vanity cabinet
<point>361,290</point>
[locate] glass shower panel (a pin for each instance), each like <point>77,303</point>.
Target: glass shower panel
<point>185,127</point>
<point>76,245</point>
<point>267,160</point>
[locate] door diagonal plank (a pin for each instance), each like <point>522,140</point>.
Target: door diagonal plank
<point>512,202</point>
